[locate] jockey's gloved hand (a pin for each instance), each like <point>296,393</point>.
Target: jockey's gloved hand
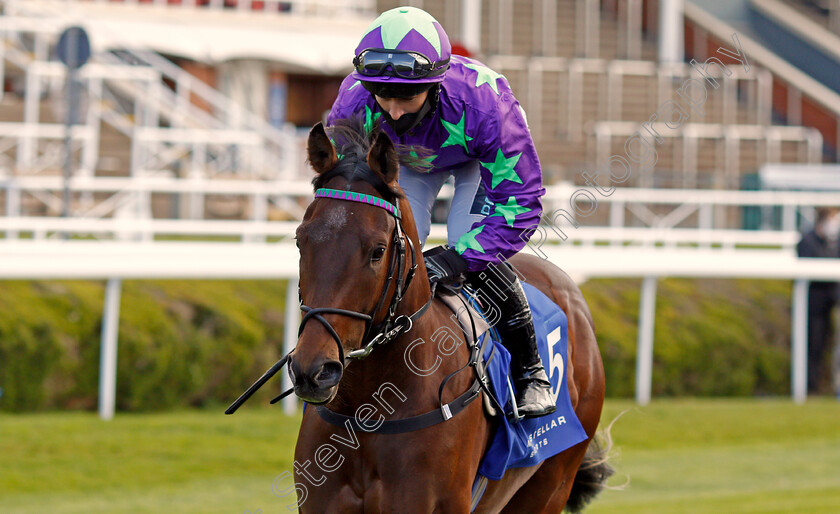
<point>444,264</point>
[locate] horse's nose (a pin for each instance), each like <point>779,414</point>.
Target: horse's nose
<point>321,375</point>
<point>328,375</point>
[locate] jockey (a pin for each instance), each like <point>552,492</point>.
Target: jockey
<point>467,116</point>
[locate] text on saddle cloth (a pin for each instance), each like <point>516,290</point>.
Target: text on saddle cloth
<point>532,440</point>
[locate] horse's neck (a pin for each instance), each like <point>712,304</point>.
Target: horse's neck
<point>409,369</point>
<point>418,292</point>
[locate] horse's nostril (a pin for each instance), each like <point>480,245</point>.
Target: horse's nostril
<point>329,375</point>
<point>291,370</point>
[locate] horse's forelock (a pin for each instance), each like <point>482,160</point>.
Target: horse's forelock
<point>352,142</point>
<point>353,138</point>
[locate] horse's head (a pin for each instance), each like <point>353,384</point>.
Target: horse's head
<point>354,254</point>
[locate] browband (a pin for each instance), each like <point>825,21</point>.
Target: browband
<point>392,209</point>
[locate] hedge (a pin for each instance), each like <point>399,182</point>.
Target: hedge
<point>194,343</point>
<point>180,342</point>
<point>711,337</point>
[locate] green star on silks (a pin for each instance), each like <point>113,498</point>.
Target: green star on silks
<point>502,168</point>
<point>485,76</point>
<point>354,85</point>
<point>399,22</point>
<point>510,210</point>
<point>468,241</point>
<point>370,119</point>
<point>457,133</point>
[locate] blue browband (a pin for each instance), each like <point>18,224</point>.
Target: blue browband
<point>336,194</point>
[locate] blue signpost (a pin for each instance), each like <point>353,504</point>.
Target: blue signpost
<point>73,50</point>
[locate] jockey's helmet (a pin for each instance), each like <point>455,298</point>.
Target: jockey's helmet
<point>405,45</point>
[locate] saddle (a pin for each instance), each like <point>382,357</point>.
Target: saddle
<point>519,442</point>
<point>474,326</point>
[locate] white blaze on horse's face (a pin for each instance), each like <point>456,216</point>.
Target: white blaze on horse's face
<point>344,262</point>
<point>331,226</point>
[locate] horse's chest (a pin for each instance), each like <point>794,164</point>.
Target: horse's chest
<point>373,476</point>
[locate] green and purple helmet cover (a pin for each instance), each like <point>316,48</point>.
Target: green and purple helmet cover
<point>408,29</point>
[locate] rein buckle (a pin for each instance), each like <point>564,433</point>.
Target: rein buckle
<point>403,324</point>
<point>361,353</point>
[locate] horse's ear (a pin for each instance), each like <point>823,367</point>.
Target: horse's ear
<point>383,158</point>
<point>321,152</point>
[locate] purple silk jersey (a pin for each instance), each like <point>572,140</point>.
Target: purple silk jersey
<point>477,118</point>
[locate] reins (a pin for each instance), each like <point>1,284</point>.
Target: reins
<point>390,328</point>
<point>384,332</point>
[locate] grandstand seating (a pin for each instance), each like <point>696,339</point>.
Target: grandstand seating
<point>798,96</point>
<point>824,12</point>
<point>584,81</point>
<point>585,71</point>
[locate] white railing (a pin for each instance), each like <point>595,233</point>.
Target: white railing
<point>116,261</point>
<point>679,241</point>
<point>131,197</point>
<point>645,215</point>
<point>121,229</point>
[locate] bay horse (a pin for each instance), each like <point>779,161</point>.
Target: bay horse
<point>363,279</point>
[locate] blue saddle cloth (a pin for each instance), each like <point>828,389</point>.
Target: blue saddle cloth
<point>530,441</point>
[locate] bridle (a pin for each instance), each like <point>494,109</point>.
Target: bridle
<point>387,330</point>
<point>392,326</point>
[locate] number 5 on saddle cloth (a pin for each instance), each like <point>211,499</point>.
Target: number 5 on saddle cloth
<point>527,442</point>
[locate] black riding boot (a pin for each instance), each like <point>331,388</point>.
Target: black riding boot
<point>500,285</point>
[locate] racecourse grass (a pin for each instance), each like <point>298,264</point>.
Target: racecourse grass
<point>725,456</point>
<point>720,456</point>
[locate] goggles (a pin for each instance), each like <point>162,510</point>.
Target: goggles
<point>403,64</point>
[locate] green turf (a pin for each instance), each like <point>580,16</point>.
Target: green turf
<point>715,456</point>
<point>725,456</point>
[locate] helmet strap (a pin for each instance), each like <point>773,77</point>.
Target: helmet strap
<point>409,121</point>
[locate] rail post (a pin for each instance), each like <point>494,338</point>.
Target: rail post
<point>799,341</point>
<point>108,354</point>
<point>644,355</point>
<point>290,339</point>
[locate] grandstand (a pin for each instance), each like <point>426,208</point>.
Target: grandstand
<point>219,89</point>
<point>194,113</point>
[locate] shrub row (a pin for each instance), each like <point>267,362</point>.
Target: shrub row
<point>180,342</point>
<point>197,342</point>
<point>711,337</point>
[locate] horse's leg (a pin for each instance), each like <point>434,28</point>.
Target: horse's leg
<point>422,500</point>
<point>499,492</point>
<point>429,470</point>
<point>549,488</point>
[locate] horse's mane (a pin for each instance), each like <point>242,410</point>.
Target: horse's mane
<point>352,139</point>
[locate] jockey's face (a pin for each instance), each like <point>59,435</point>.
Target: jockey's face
<point>396,107</point>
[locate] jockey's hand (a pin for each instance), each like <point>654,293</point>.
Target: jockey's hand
<point>444,264</point>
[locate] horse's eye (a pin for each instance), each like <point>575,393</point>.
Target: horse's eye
<point>378,252</point>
